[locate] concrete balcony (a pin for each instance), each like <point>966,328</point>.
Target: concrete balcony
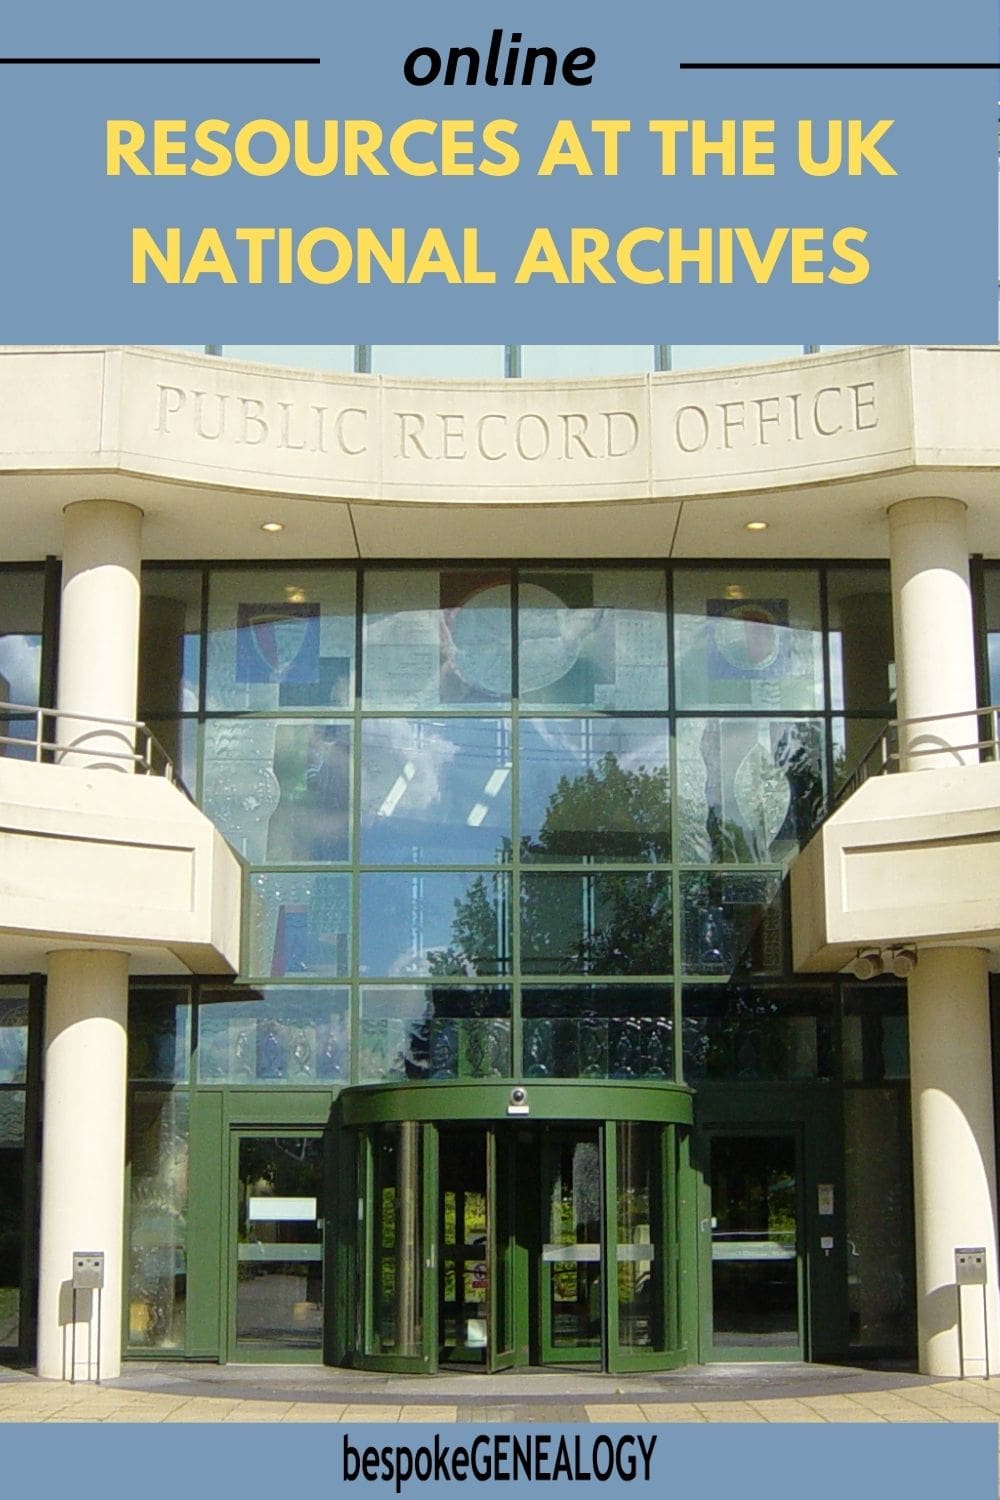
<point>907,859</point>
<point>92,857</point>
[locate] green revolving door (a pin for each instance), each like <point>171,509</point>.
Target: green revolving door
<point>549,1224</point>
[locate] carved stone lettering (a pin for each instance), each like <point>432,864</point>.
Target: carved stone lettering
<point>784,417</point>
<point>526,437</point>
<point>227,417</point>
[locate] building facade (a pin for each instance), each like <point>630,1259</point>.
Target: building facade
<point>464,965</point>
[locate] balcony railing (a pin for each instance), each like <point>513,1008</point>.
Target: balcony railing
<point>884,756</point>
<point>121,744</point>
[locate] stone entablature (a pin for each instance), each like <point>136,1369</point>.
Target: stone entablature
<point>218,422</point>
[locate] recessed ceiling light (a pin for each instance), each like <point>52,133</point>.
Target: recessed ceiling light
<point>756,526</point>
<point>273,526</point>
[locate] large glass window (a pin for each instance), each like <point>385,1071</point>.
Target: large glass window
<point>169,642</point>
<point>992,583</point>
<point>493,361</point>
<point>159,1052</point>
<point>437,639</point>
<point>748,639</point>
<point>283,1034</point>
<point>170,651</point>
<point>298,924</point>
<point>434,923</point>
<point>748,1033</point>
<point>280,789</point>
<point>595,789</point>
<point>435,791</point>
<point>592,639</point>
<point>749,791</point>
<point>607,923</point>
<point>280,641</point>
<point>159,1036</point>
<point>597,1031</point>
<point>434,1031</point>
<point>731,923</point>
<point>539,774</point>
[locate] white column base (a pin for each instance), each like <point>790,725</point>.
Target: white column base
<point>83,1159</point>
<point>954,1168</point>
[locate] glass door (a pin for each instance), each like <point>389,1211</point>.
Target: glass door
<point>756,1256</point>
<point>399,1228</point>
<point>476,1232</point>
<point>572,1322</point>
<point>464,1323</point>
<point>504,1283</point>
<point>276,1310</point>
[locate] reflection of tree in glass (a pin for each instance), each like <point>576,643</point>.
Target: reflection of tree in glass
<point>611,923</point>
<point>607,813</point>
<point>474,933</point>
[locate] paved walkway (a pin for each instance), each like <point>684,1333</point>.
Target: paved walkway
<point>734,1393</point>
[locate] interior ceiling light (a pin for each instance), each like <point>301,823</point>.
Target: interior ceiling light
<point>397,790</point>
<point>273,526</point>
<point>756,526</point>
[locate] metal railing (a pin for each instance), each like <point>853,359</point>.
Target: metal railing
<point>884,755</point>
<point>120,743</point>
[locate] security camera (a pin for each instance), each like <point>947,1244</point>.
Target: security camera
<point>517,1101</point>
<point>868,964</point>
<point>903,962</point>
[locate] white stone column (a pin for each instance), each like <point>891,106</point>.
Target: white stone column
<point>953,1157</point>
<point>932,620</point>
<point>83,1157</point>
<point>951,1076</point>
<point>86,1005</point>
<point>99,629</point>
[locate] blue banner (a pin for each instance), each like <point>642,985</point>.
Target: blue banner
<point>718,172</point>
<point>826,1461</point>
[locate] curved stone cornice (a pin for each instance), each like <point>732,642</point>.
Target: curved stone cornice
<point>158,428</point>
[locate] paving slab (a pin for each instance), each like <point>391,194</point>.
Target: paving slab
<point>173,1392</point>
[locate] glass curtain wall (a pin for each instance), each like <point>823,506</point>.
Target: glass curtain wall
<point>524,821</point>
<point>499,821</point>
